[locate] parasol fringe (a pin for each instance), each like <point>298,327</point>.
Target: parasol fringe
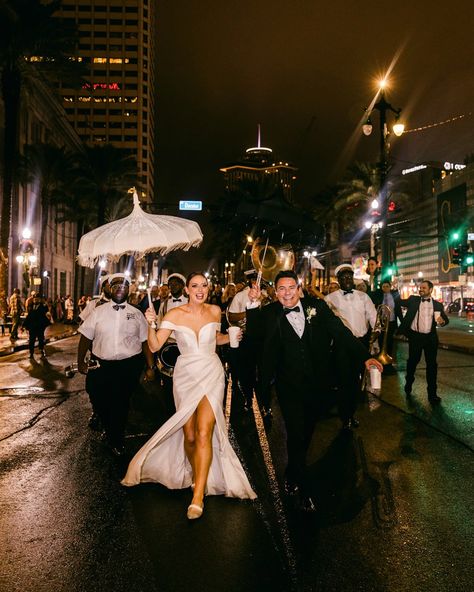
<point>87,261</point>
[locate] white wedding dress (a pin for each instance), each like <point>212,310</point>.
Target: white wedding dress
<point>198,373</point>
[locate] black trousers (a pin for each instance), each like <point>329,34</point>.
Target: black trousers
<point>417,344</point>
<point>243,368</point>
<point>349,383</point>
<point>110,388</point>
<point>300,410</point>
<point>34,334</point>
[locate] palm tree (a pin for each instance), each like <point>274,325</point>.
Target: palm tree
<point>32,42</point>
<point>350,200</point>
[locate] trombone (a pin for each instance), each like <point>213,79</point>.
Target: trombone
<point>381,326</point>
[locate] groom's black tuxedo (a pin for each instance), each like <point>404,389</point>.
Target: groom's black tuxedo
<point>300,367</point>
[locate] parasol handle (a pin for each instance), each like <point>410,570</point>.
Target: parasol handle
<point>260,271</point>
<point>150,304</point>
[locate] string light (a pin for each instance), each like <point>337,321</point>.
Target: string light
<point>431,125</point>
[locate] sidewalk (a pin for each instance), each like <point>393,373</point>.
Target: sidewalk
<point>457,336</point>
<point>53,333</point>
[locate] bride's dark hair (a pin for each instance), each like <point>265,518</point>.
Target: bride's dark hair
<point>192,275</point>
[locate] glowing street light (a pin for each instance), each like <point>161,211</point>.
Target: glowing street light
<point>382,106</point>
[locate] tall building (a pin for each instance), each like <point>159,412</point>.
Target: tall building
<point>42,120</point>
<point>116,104</point>
<point>259,164</point>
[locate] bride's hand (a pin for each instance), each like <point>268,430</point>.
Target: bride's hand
<point>150,315</point>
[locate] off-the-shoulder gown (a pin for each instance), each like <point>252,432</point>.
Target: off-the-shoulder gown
<point>198,373</point>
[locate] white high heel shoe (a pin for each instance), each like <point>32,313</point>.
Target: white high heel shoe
<point>195,511</point>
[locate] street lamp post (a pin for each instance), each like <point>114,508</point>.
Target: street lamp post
<point>382,106</point>
<point>27,258</point>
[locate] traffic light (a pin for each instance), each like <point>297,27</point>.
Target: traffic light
<point>456,255</point>
<point>454,236</point>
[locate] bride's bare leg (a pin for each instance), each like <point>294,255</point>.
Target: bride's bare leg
<point>205,421</point>
<point>189,430</point>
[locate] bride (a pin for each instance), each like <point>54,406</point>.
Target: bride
<point>192,447</point>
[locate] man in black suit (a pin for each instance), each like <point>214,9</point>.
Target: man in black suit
<point>295,338</point>
<point>155,298</point>
<point>419,325</point>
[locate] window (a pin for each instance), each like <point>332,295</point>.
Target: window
<point>133,9</point>
<point>131,22</point>
<point>83,111</point>
<point>115,8</point>
<point>131,47</point>
<point>115,124</point>
<point>115,138</point>
<point>100,21</point>
<point>100,34</point>
<point>116,22</point>
<point>115,34</point>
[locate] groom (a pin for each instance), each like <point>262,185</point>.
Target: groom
<point>295,338</point>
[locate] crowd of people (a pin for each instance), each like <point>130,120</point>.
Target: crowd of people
<point>304,346</point>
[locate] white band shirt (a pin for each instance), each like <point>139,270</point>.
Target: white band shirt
<point>115,334</point>
<point>356,310</point>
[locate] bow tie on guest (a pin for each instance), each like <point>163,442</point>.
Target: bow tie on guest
<point>118,306</point>
<point>348,292</point>
<point>288,310</point>
<point>426,299</point>
<point>176,300</point>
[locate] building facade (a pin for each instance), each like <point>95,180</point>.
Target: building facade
<point>42,120</point>
<point>116,104</point>
<point>258,165</point>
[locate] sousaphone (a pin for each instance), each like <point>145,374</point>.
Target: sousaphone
<point>274,259</point>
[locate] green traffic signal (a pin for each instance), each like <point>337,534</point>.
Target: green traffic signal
<point>469,260</point>
<point>454,236</point>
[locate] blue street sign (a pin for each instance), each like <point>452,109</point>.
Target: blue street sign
<point>186,204</point>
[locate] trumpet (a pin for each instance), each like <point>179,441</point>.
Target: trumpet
<point>72,369</point>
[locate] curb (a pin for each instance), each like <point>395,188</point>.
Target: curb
<point>7,351</point>
<point>462,349</point>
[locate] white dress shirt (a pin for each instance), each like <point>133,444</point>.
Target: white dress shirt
<point>297,320</point>
<point>240,302</point>
<point>389,301</point>
<point>356,310</point>
<point>90,306</point>
<point>170,303</point>
<point>115,334</point>
<point>423,320</point>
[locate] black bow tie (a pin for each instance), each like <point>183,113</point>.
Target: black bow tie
<point>426,299</point>
<point>118,306</point>
<point>176,300</point>
<point>347,292</point>
<point>288,310</point>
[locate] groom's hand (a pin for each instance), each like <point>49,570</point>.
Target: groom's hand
<point>255,294</point>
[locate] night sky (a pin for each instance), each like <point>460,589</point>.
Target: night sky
<point>305,70</point>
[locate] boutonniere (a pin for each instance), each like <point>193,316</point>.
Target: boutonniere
<point>310,313</point>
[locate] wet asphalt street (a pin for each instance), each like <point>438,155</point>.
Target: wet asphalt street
<point>395,499</point>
